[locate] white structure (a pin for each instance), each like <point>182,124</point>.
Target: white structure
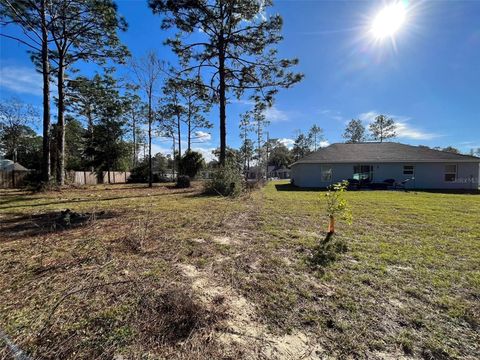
<point>417,167</point>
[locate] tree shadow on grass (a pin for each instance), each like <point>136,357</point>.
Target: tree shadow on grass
<point>49,222</point>
<point>290,187</point>
<point>94,199</point>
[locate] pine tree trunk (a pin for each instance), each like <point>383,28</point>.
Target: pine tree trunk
<point>189,139</point>
<point>222,105</point>
<point>46,98</point>
<point>90,130</point>
<point>61,123</point>
<point>179,129</point>
<point>150,169</point>
<point>134,141</point>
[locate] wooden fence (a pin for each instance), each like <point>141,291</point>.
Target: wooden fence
<point>15,179</point>
<point>12,178</point>
<point>92,178</point>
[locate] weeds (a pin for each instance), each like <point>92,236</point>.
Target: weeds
<point>409,281</point>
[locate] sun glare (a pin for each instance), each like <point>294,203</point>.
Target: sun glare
<point>389,20</point>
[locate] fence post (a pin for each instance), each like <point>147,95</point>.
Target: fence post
<point>13,178</point>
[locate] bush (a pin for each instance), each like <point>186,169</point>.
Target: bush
<point>139,174</point>
<point>226,181</point>
<point>191,163</point>
<point>183,181</point>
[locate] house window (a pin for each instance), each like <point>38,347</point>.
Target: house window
<point>363,173</point>
<point>408,169</point>
<point>326,173</point>
<point>450,173</point>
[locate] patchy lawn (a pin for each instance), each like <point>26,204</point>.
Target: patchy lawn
<point>168,273</point>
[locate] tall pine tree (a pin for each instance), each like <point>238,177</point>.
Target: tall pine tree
<point>233,47</point>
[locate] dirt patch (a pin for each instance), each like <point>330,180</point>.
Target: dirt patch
<point>224,240</point>
<point>242,327</point>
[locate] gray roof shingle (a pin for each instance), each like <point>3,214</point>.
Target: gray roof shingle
<point>375,152</point>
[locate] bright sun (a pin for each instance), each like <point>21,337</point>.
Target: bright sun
<point>388,21</point>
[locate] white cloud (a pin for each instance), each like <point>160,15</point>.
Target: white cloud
<point>21,79</point>
<point>202,136</point>
<point>287,142</point>
<point>324,143</point>
<point>206,152</point>
<point>404,129</point>
<point>158,149</point>
<point>273,114</point>
<point>368,117</point>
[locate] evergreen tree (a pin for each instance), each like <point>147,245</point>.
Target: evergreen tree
<point>105,148</point>
<point>301,147</point>
<point>316,135</point>
<point>233,47</point>
<point>35,20</point>
<point>383,128</point>
<point>247,147</point>
<point>83,30</point>
<point>279,156</point>
<point>354,132</point>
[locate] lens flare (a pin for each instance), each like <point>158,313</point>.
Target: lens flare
<point>389,20</point>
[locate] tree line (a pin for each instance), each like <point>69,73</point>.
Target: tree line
<point>224,48</point>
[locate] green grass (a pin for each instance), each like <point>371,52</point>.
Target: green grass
<point>408,285</point>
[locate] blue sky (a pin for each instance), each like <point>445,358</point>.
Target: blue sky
<point>428,81</point>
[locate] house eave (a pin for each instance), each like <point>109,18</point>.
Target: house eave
<point>386,162</point>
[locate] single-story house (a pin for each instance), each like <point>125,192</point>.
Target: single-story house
<point>414,167</point>
<point>281,172</point>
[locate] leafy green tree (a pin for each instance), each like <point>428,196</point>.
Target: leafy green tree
<point>75,143</point>
<point>232,48</point>
<point>191,163</point>
<point>280,155</point>
<point>234,158</point>
<point>316,135</point>
<point>301,146</point>
<point>106,148</point>
<point>29,152</point>
<point>34,19</point>
<point>28,147</point>
<point>451,149</point>
<point>354,132</point>
<point>83,96</point>
<point>75,135</point>
<point>140,173</point>
<point>383,128</point>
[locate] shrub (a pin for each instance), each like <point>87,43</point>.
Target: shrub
<point>337,205</point>
<point>227,181</point>
<point>139,174</point>
<point>183,181</point>
<point>191,163</point>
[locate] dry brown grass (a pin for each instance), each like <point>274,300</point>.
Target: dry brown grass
<point>170,273</point>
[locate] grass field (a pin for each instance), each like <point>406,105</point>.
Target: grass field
<point>158,273</point>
